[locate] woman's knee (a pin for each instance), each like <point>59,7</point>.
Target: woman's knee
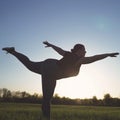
<point>32,66</point>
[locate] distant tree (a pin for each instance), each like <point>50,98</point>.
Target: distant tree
<point>9,94</point>
<point>94,100</point>
<point>24,94</point>
<point>1,93</point>
<point>107,99</point>
<point>6,94</point>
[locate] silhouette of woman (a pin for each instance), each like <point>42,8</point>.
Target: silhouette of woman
<point>53,69</point>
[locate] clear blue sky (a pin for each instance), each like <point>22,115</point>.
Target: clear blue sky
<point>25,24</point>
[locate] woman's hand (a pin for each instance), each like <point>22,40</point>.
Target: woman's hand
<point>56,48</point>
<point>47,44</point>
<point>113,54</point>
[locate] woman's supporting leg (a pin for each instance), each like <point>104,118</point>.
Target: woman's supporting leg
<point>48,87</point>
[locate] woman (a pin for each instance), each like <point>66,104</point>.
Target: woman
<point>53,69</point>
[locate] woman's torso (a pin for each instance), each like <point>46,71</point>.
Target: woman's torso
<point>68,64</point>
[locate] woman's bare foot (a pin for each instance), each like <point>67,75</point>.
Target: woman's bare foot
<point>9,49</point>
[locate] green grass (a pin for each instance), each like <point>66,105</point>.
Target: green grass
<point>12,111</point>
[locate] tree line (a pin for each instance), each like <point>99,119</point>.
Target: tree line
<point>24,97</point>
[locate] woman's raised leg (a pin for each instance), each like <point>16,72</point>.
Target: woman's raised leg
<point>32,66</point>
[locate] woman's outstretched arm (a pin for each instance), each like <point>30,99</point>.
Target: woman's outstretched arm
<point>56,48</point>
<point>87,60</point>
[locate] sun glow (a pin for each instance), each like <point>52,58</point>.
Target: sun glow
<point>86,85</point>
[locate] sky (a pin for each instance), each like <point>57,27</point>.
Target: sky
<point>25,24</point>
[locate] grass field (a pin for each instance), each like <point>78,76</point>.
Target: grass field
<point>12,111</point>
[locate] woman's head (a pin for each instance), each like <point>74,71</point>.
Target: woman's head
<point>79,49</point>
